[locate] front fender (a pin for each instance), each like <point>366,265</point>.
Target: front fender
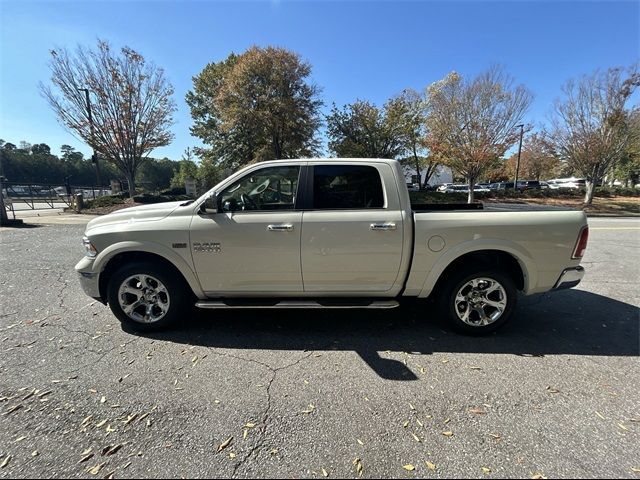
<point>103,258</point>
<point>523,257</point>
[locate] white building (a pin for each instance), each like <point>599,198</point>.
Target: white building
<point>442,175</point>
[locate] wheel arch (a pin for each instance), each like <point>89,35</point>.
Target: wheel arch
<point>110,259</point>
<point>514,262</point>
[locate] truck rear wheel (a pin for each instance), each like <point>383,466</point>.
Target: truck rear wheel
<point>478,300</point>
<point>147,297</point>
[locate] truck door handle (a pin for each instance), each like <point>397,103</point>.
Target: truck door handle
<point>383,226</point>
<point>285,227</point>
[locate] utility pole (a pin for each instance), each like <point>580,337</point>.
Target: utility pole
<point>94,157</point>
<point>515,182</point>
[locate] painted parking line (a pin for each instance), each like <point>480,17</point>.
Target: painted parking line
<point>614,228</point>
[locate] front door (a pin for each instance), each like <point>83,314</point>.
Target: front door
<point>252,245</point>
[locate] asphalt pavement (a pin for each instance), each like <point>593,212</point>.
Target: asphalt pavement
<point>312,394</point>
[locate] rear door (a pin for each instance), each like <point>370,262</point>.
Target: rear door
<point>352,230</point>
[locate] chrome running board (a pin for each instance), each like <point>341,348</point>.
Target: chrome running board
<point>253,303</point>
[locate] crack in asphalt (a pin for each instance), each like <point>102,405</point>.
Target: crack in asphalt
<point>265,414</point>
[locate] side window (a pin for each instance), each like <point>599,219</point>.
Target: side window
<point>346,186</point>
<point>271,188</point>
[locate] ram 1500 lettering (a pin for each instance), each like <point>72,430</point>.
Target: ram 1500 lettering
<point>325,233</point>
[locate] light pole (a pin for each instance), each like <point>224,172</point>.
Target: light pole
<point>515,182</point>
<point>94,157</point>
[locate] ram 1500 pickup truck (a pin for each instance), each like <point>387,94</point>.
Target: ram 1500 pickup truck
<point>325,233</point>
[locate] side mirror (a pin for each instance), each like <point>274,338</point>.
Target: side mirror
<point>210,205</point>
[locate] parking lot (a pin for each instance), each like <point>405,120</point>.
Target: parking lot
<point>314,394</point>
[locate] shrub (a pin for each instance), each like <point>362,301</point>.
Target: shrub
<point>148,198</point>
<point>106,201</point>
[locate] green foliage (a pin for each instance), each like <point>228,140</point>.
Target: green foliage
<point>255,106</point>
<point>148,198</point>
<point>106,201</point>
<point>362,130</point>
<point>186,169</point>
<point>37,166</point>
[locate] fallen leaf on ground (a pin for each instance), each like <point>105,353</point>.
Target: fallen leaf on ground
<point>409,467</point>
<point>103,399</point>
<point>96,469</point>
<point>600,415</point>
<point>324,473</point>
<point>224,444</point>
<point>415,437</point>
<point>359,441</point>
<point>86,457</point>
<point>552,390</point>
<point>430,466</point>
<point>636,470</point>
<point>101,424</point>
<point>6,461</point>
<point>111,449</point>
<point>358,463</point>
<point>310,409</point>
<point>448,434</point>
<point>538,476</point>
<point>478,411</point>
<point>486,469</point>
<point>623,427</point>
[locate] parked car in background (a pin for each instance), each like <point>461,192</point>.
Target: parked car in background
<point>413,187</point>
<point>571,182</point>
<point>463,189</point>
<point>443,187</point>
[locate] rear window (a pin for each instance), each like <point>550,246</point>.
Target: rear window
<point>346,187</point>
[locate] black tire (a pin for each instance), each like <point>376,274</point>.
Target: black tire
<point>178,294</point>
<point>450,308</point>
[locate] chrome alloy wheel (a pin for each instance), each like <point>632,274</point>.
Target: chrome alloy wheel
<point>480,302</point>
<point>143,298</point>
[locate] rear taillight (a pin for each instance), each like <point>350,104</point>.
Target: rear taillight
<point>581,245</point>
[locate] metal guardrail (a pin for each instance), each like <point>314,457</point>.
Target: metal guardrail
<point>48,194</point>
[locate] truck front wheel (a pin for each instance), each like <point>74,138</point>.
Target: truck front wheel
<point>478,300</point>
<point>146,297</point>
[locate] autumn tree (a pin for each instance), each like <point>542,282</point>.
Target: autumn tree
<point>628,167</point>
<point>409,109</point>
<point>259,105</point>
<point>537,160</point>
<point>591,128</point>
<point>471,123</point>
<point>131,106</point>
<point>362,130</point>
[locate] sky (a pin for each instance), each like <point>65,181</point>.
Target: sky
<point>368,50</point>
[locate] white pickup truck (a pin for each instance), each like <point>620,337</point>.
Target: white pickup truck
<point>325,233</point>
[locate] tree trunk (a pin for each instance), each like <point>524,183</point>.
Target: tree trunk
<point>588,198</point>
<point>472,197</point>
<point>417,160</point>
<point>131,180</point>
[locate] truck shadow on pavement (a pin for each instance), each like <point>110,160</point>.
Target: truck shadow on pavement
<point>570,322</point>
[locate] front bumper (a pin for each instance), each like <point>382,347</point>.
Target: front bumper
<point>89,280</point>
<point>569,278</point>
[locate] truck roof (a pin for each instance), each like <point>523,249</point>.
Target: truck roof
<point>329,159</point>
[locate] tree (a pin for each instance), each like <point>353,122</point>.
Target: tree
<point>536,160</point>
<point>255,106</point>
<point>186,169</point>
<point>471,124</point>
<point>132,107</point>
<point>40,149</point>
<point>362,130</point>
<point>628,167</point>
<point>591,129</point>
<point>410,108</point>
